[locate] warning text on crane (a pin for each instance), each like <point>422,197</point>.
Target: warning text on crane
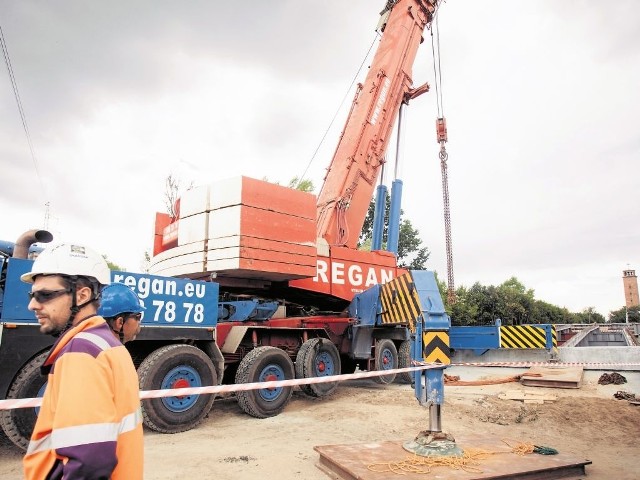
<point>384,91</point>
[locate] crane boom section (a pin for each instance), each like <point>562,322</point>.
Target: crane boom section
<point>351,177</point>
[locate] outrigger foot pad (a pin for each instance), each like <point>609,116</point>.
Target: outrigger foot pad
<point>433,444</point>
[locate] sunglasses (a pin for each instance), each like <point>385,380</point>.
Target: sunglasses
<point>44,296</point>
<point>136,316</point>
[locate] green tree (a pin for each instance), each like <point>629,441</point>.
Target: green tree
<point>589,315</point>
<point>514,285</point>
<point>620,316</point>
<point>296,184</point>
<point>547,313</point>
<point>511,302</point>
<point>411,253</point>
<point>465,311</point>
<point>514,304</point>
<point>112,265</point>
<point>517,302</point>
<point>488,302</point>
<point>302,185</point>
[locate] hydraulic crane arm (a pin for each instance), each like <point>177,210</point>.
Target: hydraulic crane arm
<point>351,177</point>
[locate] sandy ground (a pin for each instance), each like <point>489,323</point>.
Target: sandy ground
<point>588,423</point>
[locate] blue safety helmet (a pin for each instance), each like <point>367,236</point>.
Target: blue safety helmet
<point>117,299</point>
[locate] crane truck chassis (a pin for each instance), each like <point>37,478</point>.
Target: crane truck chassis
<point>190,339</point>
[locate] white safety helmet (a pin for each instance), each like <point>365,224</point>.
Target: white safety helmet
<point>71,260</point>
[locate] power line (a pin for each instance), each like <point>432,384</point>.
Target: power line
<point>16,94</point>
<point>335,115</point>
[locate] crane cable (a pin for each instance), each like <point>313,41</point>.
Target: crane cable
<point>444,156</point>
<point>437,70</point>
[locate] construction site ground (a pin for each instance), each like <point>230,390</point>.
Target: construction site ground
<point>586,422</point>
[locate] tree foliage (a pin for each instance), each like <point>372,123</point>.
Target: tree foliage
<point>302,185</point>
<point>296,184</point>
<point>112,265</point>
<point>411,253</point>
<point>512,303</point>
<point>620,316</point>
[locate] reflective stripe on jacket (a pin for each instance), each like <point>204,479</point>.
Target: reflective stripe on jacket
<point>90,423</point>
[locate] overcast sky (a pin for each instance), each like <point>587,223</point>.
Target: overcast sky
<point>541,100</point>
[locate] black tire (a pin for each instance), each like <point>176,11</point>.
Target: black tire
<point>176,366</point>
<point>318,357</point>
<point>18,423</point>
<point>404,361</point>
<point>386,359</point>
<point>264,364</point>
<point>348,364</point>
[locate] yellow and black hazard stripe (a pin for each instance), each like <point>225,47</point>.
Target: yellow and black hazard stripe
<point>523,336</point>
<point>400,302</point>
<point>436,347</point>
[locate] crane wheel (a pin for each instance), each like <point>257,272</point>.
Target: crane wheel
<point>176,366</point>
<point>404,361</point>
<point>264,364</point>
<point>318,357</point>
<point>386,358</point>
<point>18,423</point>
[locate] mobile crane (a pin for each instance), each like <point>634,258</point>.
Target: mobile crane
<point>256,239</point>
<point>253,242</point>
<point>262,240</point>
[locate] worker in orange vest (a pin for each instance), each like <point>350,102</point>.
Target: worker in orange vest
<point>90,422</point>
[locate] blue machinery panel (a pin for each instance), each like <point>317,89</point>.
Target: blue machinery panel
<point>168,301</point>
<point>498,336</point>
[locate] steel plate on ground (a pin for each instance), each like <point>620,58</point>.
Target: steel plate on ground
<point>351,462</point>
<point>554,377</point>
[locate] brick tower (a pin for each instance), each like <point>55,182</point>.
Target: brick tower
<point>630,281</point>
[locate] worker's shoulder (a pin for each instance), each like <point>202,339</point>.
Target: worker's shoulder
<point>92,341</point>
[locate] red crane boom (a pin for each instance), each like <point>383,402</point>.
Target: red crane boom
<point>351,177</point>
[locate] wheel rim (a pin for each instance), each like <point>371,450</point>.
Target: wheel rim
<point>182,376</point>
<point>387,360</point>
<point>324,365</point>
<point>271,373</point>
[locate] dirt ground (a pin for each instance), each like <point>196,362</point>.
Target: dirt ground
<point>588,423</point>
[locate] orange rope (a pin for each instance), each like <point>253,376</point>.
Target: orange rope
<point>454,380</point>
<point>469,461</point>
<point>416,464</point>
<point>521,448</point>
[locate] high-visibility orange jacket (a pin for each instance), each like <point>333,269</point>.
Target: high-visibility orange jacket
<point>90,423</point>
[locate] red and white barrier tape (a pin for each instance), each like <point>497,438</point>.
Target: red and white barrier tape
<point>10,404</point>
<point>182,392</point>
<point>545,364</point>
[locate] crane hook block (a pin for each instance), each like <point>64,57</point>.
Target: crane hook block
<point>441,129</point>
